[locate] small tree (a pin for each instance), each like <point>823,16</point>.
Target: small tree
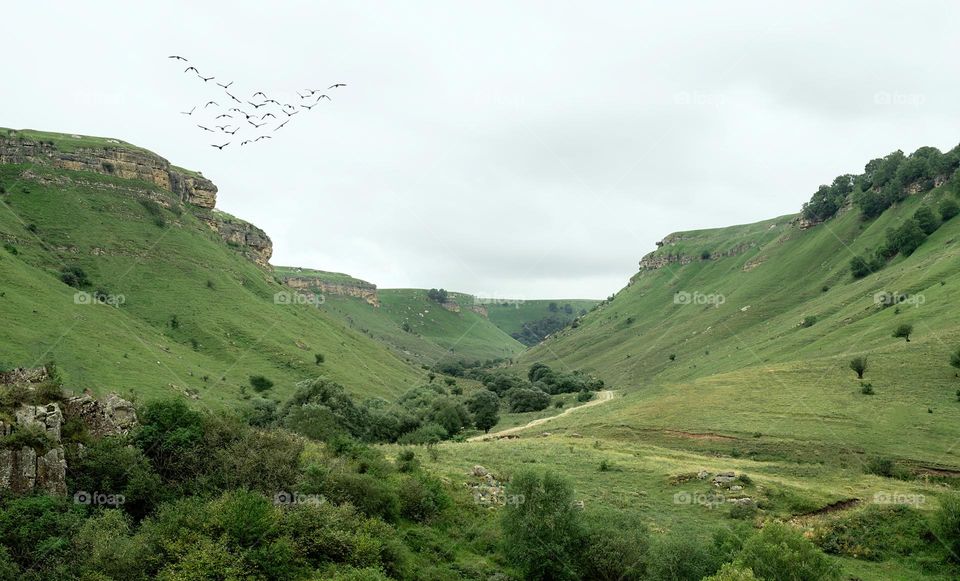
<point>859,365</point>
<point>542,531</point>
<point>859,267</point>
<point>485,407</point>
<point>318,358</point>
<point>948,209</point>
<point>903,332</point>
<point>781,552</point>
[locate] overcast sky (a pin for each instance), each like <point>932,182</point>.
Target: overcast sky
<point>513,149</point>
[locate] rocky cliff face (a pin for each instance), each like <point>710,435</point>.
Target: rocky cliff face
<point>117,161</point>
<point>359,289</point>
<point>659,259</point>
<point>37,467</point>
<point>252,241</point>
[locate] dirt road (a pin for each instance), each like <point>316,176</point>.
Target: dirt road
<point>602,397</point>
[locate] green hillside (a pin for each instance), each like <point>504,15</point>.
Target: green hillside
<point>424,331</point>
<point>530,321</point>
<point>194,315</point>
<point>750,329</point>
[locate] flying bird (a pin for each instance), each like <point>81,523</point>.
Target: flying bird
<point>175,57</point>
<point>231,132</point>
<point>282,124</point>
<point>194,69</point>
<point>261,93</point>
<point>265,115</point>
<point>220,147</point>
<point>304,96</point>
<point>190,112</point>
<point>272,101</point>
<point>242,143</point>
<point>232,97</point>
<point>222,127</point>
<point>308,107</point>
<point>206,128</point>
<point>222,115</point>
<point>263,137</point>
<point>256,106</point>
<point>327,97</point>
<point>205,79</point>
<point>288,114</point>
<point>227,86</point>
<point>254,124</point>
<point>211,103</point>
<point>335,85</point>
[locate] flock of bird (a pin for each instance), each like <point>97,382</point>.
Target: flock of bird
<point>258,116</point>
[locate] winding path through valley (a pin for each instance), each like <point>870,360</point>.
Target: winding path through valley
<point>602,397</point>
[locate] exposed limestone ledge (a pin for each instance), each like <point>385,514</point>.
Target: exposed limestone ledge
<point>121,162</point>
<point>359,289</point>
<point>252,241</point>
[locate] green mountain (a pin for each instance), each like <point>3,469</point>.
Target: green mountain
<point>169,296</point>
<point>751,329</point>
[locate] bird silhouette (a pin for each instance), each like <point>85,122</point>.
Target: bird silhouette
<point>242,143</point>
<point>220,147</point>
<point>308,107</point>
<point>190,112</point>
<point>232,97</point>
<point>222,127</point>
<point>281,125</point>
<point>261,93</point>
<point>222,115</point>
<point>272,101</point>
<point>194,69</point>
<point>206,128</point>
<point>263,137</point>
<point>255,124</point>
<point>336,85</point>
<point>232,132</point>
<point>304,96</point>
<point>288,114</point>
<point>265,115</point>
<point>327,97</point>
<point>179,58</point>
<point>227,86</point>
<point>256,106</point>
<point>211,103</point>
<point>205,79</point>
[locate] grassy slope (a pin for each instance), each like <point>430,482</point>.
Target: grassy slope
<point>435,333</point>
<point>223,301</point>
<point>512,316</point>
<point>756,370</point>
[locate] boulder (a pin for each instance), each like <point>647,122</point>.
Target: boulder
<point>112,416</point>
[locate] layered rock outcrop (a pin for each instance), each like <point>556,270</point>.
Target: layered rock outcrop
<point>358,288</point>
<point>121,161</point>
<point>252,241</point>
<point>32,455</point>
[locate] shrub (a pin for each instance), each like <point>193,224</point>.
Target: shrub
<point>372,495</point>
<point>955,359</point>
<point>866,389</point>
<point>109,549</point>
<point>859,267</point>
<point>171,436</point>
<point>780,552</point>
<point>111,466</point>
<point>421,498</point>
<point>485,407</point>
<point>875,533</point>
<point>948,209</point>
<point>584,396</point>
<point>903,332</point>
<point>260,383</point>
<point>318,358</point>
<point>859,366</point>
<point>926,220</point>
<point>541,535</point>
<point>808,321</point>
<point>680,555</point>
<point>948,523</point>
<point>880,467</point>
<point>527,400</point>
<point>74,276</point>
<point>615,548</point>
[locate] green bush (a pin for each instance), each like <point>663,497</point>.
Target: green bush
<point>948,209</point>
<point>74,276</point>
<point>527,400</point>
<point>780,552</point>
<point>260,383</point>
<point>903,331</point>
<point>948,523</point>
<point>681,556</point>
<point>859,366</point>
<point>615,548</point>
<point>541,535</point>
<point>874,533</point>
<point>732,572</point>
<point>421,498</point>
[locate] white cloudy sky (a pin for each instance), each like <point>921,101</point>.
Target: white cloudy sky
<point>517,149</point>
